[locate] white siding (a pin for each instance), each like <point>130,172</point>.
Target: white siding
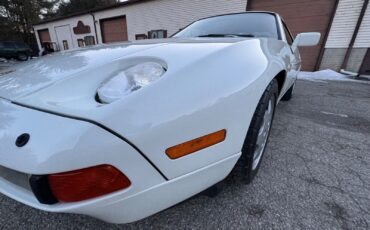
<point>71,22</point>
<point>170,15</point>
<point>363,36</point>
<point>344,23</point>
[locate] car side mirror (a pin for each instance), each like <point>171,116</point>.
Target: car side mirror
<point>306,39</point>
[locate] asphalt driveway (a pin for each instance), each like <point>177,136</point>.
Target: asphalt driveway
<point>315,175</point>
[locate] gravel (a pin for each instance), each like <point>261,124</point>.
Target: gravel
<point>315,175</point>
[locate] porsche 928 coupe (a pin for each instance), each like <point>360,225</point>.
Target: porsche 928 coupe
<point>122,131</point>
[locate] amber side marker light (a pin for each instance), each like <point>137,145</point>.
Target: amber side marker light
<point>87,183</point>
<point>197,144</point>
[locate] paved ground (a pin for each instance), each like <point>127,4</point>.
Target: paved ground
<point>315,175</point>
<point>9,63</point>
<point>6,63</point>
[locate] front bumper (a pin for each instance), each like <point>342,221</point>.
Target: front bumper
<point>121,207</point>
<point>60,144</point>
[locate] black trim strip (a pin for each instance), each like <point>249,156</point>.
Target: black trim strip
<point>99,125</point>
<point>40,187</point>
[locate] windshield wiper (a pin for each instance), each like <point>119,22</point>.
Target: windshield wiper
<point>226,35</point>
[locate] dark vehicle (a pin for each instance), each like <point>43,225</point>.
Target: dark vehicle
<point>18,50</point>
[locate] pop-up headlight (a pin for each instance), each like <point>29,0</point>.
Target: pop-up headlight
<point>130,80</point>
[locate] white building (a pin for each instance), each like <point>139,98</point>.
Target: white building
<point>131,20</point>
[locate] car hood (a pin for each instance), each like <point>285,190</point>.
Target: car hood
<point>66,82</point>
<point>37,74</point>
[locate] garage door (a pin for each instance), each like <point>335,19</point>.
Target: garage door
<point>44,36</point>
<point>114,29</point>
<point>302,16</point>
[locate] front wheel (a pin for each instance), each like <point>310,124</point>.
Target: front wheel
<point>258,133</point>
<point>22,57</point>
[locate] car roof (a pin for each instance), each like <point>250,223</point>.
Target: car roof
<point>13,42</point>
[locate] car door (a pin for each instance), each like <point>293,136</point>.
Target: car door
<point>293,58</point>
<point>2,49</point>
<point>21,47</point>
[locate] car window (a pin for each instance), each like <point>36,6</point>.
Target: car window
<point>255,24</point>
<point>288,35</point>
<point>8,45</point>
<point>21,45</point>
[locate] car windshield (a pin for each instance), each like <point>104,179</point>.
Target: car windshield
<point>233,25</point>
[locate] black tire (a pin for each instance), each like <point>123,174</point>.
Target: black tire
<point>22,57</point>
<point>244,168</point>
<point>288,95</point>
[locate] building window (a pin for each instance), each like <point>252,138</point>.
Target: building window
<point>65,45</point>
<point>141,36</point>
<point>153,34</point>
<point>81,42</point>
<point>89,41</point>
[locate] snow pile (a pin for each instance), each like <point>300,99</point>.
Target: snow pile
<point>326,75</point>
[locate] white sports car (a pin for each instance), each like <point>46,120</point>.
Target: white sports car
<point>120,132</point>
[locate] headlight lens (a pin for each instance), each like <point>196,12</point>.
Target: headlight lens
<point>130,80</point>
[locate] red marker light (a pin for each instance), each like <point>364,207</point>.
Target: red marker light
<point>87,183</point>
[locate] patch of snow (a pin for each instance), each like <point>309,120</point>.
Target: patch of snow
<point>327,75</point>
